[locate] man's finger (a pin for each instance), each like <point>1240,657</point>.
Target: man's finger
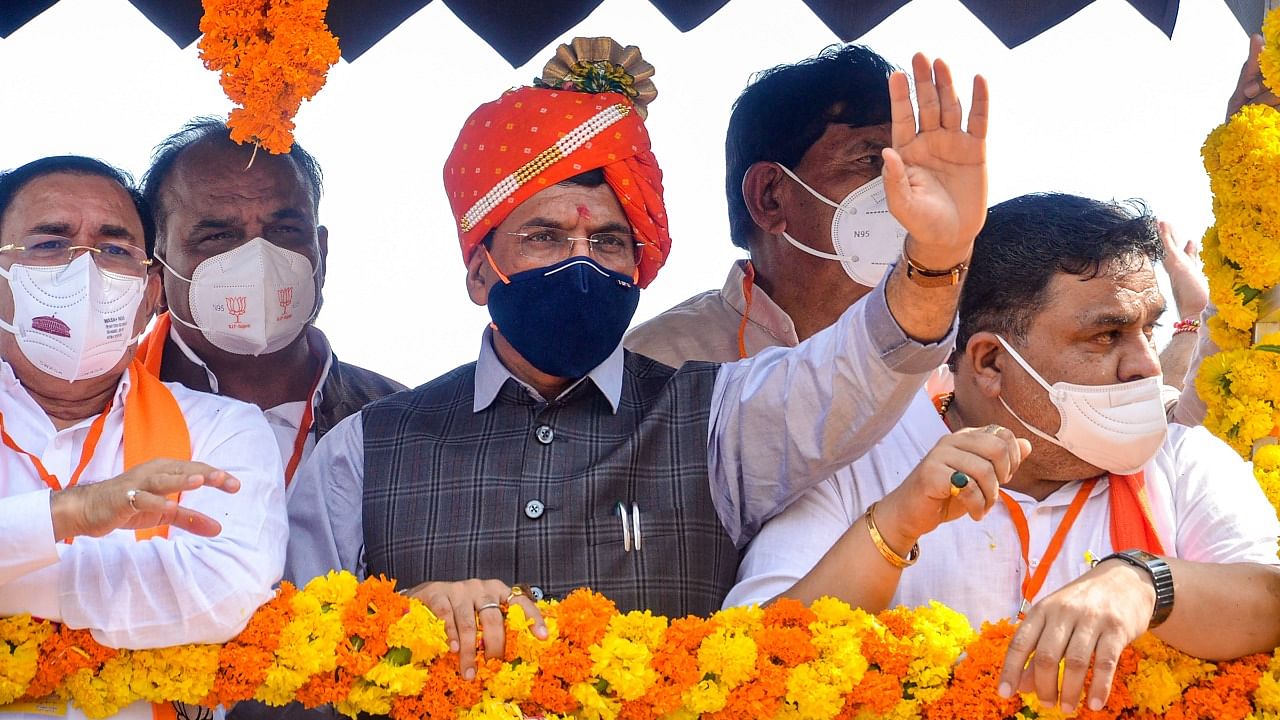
<point>1077,657</point>
<point>1046,661</point>
<point>532,612</point>
<point>492,623</point>
<point>440,606</point>
<point>194,522</point>
<point>464,616</point>
<point>950,112</point>
<point>978,112</point>
<point>1105,661</point>
<point>903,114</point>
<point>926,92</point>
<point>1020,648</point>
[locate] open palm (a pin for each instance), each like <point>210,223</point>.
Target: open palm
<point>936,173</point>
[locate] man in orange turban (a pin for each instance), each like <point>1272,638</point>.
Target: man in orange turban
<point>558,460</point>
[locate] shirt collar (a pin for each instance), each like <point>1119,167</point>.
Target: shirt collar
<point>316,340</point>
<point>491,375</point>
<point>764,312</point>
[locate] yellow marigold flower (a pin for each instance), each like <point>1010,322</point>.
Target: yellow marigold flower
<point>365,698</point>
<point>624,664</point>
<point>642,627</point>
<point>513,682</point>
<point>335,588</point>
<point>420,632</point>
<point>812,693</point>
<point>1270,58</point>
<point>705,697</point>
<point>729,655</point>
<point>594,705</point>
<point>493,709</point>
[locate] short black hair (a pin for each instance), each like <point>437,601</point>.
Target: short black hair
<point>785,109</point>
<point>1029,239</point>
<point>12,182</point>
<point>213,129</point>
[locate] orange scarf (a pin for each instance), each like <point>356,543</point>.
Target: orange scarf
<point>1132,525</point>
<point>151,347</point>
<point>154,427</point>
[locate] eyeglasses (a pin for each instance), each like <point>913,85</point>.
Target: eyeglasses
<point>52,250</point>
<point>546,244</point>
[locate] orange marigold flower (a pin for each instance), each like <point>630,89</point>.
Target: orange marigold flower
<point>63,653</point>
<point>243,662</point>
<point>272,55</point>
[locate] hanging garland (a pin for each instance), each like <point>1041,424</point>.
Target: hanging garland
<point>272,55</point>
<point>1240,385</point>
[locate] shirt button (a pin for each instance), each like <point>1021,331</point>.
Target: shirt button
<point>545,434</point>
<point>536,592</point>
<point>534,509</point>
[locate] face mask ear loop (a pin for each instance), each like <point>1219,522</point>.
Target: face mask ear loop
<point>501,275</point>
<point>167,266</point>
<point>805,185</point>
<point>1034,375</point>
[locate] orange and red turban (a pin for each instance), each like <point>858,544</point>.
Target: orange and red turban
<point>532,138</point>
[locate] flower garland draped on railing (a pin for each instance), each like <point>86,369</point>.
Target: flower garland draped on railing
<point>364,648</point>
<point>272,55</point>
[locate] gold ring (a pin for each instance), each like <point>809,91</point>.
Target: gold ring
<point>517,591</point>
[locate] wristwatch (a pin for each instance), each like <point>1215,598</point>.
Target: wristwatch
<point>934,278</point>
<point>1161,578</point>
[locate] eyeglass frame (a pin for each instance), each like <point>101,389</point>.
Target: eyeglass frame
<point>636,251</point>
<point>146,263</point>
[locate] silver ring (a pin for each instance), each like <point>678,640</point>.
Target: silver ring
<point>132,495</point>
<point>487,606</point>
<point>992,428</point>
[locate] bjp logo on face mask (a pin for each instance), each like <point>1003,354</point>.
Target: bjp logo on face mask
<point>284,296</point>
<point>237,307</point>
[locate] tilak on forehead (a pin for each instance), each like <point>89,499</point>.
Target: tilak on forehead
<point>585,112</point>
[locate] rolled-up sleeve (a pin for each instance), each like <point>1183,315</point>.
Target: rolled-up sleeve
<point>326,506</point>
<point>786,419</point>
<point>187,588</point>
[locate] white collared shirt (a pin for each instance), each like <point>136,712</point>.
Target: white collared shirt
<point>284,419</point>
<point>185,589</point>
<point>1205,503</point>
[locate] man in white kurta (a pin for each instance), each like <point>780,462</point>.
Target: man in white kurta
<point>147,513</point>
<point>1087,514</point>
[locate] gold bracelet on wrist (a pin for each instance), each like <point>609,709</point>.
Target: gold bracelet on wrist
<point>927,278</point>
<point>887,552</point>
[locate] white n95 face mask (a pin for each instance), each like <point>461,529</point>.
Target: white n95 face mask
<point>73,321</point>
<point>867,238</point>
<point>252,300</point>
<point>1118,427</point>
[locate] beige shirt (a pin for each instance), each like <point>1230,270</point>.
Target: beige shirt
<point>705,327</point>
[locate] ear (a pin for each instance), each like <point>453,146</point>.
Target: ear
<point>979,361</point>
<point>322,237</point>
<point>761,191</point>
<point>479,277</point>
<point>152,299</point>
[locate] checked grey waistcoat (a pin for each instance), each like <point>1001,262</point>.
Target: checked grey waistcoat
<point>524,491</point>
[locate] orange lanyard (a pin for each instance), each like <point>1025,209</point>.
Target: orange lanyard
<point>304,430</point>
<point>86,454</point>
<point>748,284</point>
<point>1032,582</point>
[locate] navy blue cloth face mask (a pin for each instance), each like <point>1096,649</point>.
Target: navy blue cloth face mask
<point>567,318</point>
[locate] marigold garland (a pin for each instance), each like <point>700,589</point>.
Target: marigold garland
<point>1240,385</point>
<point>272,55</point>
<point>366,649</point>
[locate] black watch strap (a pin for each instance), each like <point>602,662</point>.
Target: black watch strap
<point>1161,578</point>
